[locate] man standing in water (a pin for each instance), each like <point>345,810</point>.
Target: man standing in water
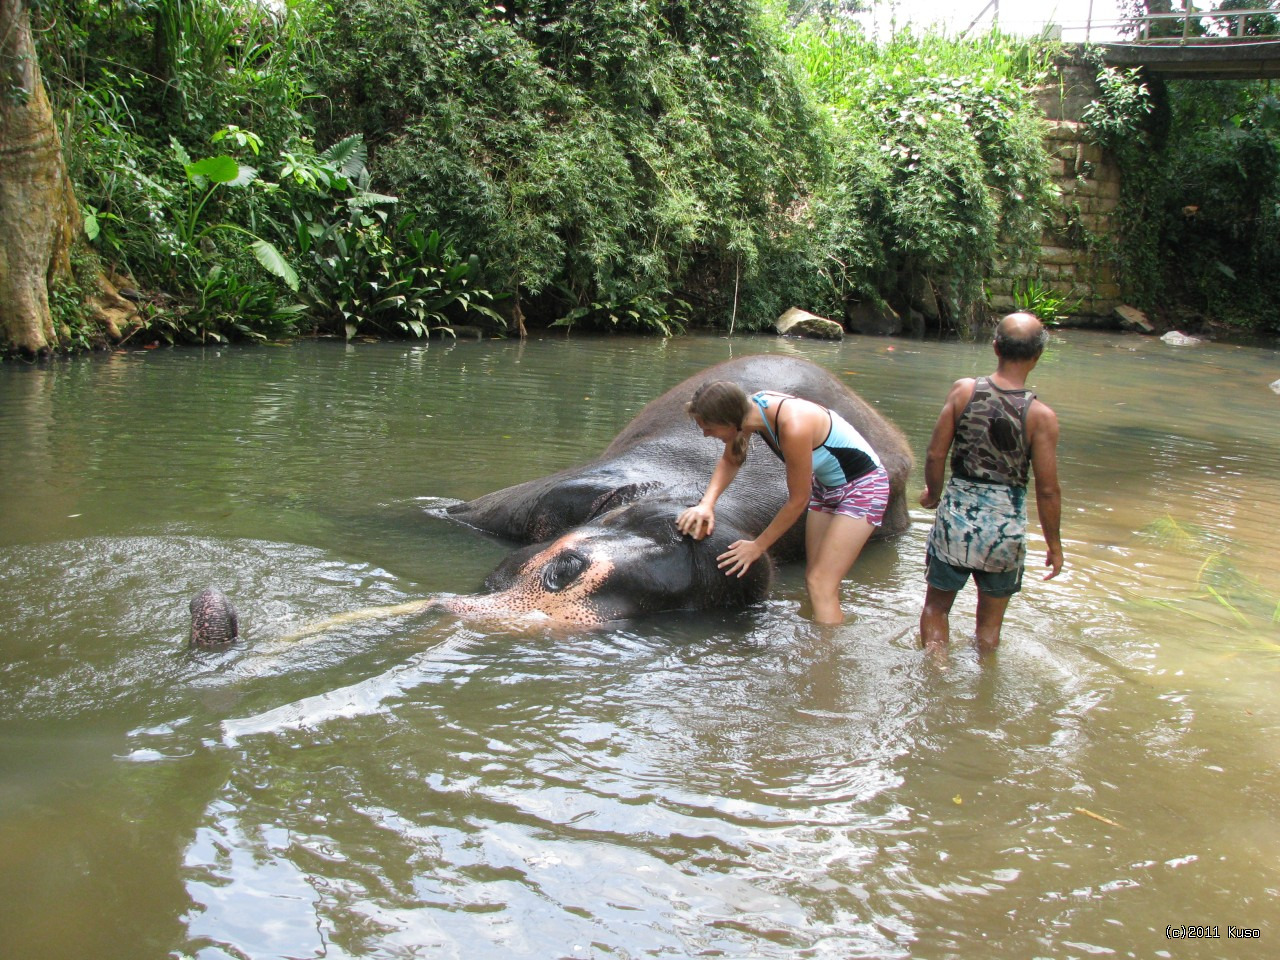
<point>996,432</point>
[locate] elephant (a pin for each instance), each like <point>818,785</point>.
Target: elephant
<point>604,545</point>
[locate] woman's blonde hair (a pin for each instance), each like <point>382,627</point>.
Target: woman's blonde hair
<point>724,403</point>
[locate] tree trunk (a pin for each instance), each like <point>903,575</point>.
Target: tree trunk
<point>39,215</point>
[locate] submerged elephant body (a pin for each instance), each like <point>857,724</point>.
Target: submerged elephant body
<point>602,540</point>
<point>605,545</point>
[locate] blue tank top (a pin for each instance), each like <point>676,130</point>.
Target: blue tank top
<point>843,456</point>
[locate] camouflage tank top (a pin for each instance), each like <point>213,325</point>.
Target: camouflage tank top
<point>991,437</point>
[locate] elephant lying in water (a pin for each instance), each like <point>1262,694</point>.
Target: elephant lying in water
<point>604,544</point>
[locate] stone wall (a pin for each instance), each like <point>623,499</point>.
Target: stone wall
<point>1073,261</point>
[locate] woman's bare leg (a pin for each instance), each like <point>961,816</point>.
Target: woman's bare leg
<point>832,543</point>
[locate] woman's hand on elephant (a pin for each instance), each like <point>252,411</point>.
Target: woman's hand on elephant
<point>697,521</point>
<point>739,557</point>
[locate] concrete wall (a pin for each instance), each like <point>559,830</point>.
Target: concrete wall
<point>1074,260</point>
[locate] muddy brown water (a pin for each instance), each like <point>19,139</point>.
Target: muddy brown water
<point>727,785</point>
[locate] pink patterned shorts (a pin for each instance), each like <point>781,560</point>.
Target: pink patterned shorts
<point>865,498</point>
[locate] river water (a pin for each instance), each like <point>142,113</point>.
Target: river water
<point>722,785</point>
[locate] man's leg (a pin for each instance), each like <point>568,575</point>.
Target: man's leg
<point>990,619</point>
<point>934,626</point>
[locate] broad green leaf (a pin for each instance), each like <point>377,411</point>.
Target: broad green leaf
<point>350,156</point>
<point>274,261</point>
<point>218,169</point>
<point>180,152</point>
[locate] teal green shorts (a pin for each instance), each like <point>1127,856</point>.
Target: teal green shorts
<point>943,576</point>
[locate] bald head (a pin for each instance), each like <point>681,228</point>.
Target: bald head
<point>1020,337</point>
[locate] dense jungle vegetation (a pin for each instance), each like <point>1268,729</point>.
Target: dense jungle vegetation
<point>395,167</point>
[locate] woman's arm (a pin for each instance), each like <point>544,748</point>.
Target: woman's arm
<point>699,520</point>
<point>796,432</point>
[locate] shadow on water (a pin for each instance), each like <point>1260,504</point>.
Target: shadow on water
<point>734,785</point>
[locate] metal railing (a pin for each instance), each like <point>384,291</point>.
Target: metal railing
<point>993,6</point>
<point>1189,15</point>
<point>1198,26</point>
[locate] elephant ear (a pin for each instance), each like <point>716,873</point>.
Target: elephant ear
<point>543,509</point>
<point>620,497</point>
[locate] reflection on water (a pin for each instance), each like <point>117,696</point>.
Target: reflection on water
<point>737,785</point>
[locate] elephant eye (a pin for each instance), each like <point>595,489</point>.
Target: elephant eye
<point>563,570</point>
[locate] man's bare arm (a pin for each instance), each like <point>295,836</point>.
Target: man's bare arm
<point>1042,432</point>
<point>944,432</point>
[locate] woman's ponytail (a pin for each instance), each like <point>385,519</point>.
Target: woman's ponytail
<point>724,403</point>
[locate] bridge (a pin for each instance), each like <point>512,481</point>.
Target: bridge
<point>1188,43</point>
<point>1202,59</point>
<point>1235,45</point>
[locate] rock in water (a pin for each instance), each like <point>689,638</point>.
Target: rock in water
<point>800,323</point>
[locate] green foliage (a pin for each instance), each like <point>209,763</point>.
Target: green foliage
<point>143,84</point>
<point>623,161</point>
<point>608,164</point>
<point>185,68</point>
<point>199,233</point>
<point>1201,197</point>
<point>366,271</point>
<point>228,302</point>
<point>612,164</point>
<point>939,160</point>
<point>1115,119</point>
<point>591,151</point>
<point>1035,297</point>
<point>646,314</point>
<point>375,275</point>
<point>67,303</point>
<point>204,178</point>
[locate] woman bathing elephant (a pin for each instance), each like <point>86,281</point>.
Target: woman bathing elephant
<point>832,472</point>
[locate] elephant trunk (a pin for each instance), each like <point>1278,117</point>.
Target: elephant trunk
<point>214,621</point>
